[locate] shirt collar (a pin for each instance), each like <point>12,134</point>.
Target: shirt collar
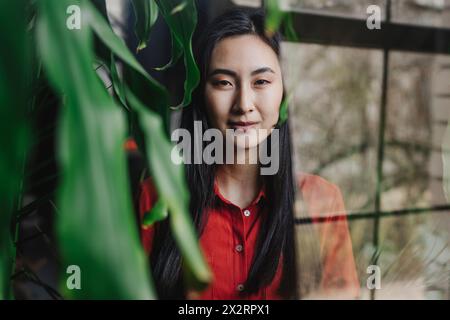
<point>261,195</point>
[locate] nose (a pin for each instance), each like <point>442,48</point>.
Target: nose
<point>244,101</point>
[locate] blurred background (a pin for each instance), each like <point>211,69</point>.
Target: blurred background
<point>369,113</point>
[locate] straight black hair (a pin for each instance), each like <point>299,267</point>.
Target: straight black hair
<point>276,238</point>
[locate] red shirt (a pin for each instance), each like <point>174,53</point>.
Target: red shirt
<point>229,240</point>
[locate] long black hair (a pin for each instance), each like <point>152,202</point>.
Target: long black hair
<point>276,237</point>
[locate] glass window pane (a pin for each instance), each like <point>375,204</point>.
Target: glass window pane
<point>351,8</point>
<point>341,270</point>
<point>424,12</point>
<point>334,116</point>
<point>417,117</point>
<point>348,8</point>
<point>415,256</point>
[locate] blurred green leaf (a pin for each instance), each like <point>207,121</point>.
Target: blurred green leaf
<point>176,53</point>
<point>172,190</point>
<point>181,17</point>
<point>118,85</point>
<point>289,30</point>
<point>170,183</point>
<point>148,90</point>
<point>274,16</point>
<point>146,12</point>
<point>119,48</point>
<point>284,109</point>
<point>96,227</point>
<point>157,213</point>
<point>277,18</point>
<point>15,64</point>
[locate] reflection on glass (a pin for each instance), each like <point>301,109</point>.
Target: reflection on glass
<point>350,8</point>
<point>326,261</point>
<point>332,262</point>
<point>415,256</point>
<point>334,116</point>
<point>416,121</point>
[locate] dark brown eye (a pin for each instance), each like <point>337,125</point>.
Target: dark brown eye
<point>261,82</point>
<point>222,83</point>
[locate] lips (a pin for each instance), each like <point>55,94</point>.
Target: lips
<point>242,125</point>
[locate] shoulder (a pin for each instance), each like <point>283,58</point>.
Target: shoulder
<point>321,196</point>
<point>310,184</point>
<point>324,204</point>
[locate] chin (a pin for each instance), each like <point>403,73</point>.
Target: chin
<point>251,144</point>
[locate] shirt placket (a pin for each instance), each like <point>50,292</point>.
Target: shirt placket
<point>242,220</point>
<point>239,252</point>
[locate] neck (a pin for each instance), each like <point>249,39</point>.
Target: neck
<point>239,183</point>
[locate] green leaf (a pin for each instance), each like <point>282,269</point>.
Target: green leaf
<point>181,17</point>
<point>159,212</point>
<point>172,190</point>
<point>289,30</point>
<point>146,12</point>
<point>177,52</point>
<point>284,109</point>
<point>147,89</point>
<point>118,85</point>
<point>119,48</point>
<point>274,16</point>
<point>170,183</point>
<point>277,18</point>
<point>15,65</point>
<point>95,227</point>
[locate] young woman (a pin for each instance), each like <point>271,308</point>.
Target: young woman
<point>245,220</point>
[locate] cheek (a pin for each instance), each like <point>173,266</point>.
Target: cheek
<point>270,105</point>
<point>216,108</point>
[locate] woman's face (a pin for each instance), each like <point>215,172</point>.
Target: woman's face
<point>244,88</point>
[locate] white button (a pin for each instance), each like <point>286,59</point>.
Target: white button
<point>247,213</point>
<point>239,248</point>
<point>240,287</point>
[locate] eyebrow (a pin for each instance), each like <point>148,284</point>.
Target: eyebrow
<point>234,74</point>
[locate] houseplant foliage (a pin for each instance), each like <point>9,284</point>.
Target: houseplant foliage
<point>95,223</point>
<point>14,138</point>
<point>95,226</point>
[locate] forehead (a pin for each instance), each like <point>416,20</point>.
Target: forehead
<point>242,53</point>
